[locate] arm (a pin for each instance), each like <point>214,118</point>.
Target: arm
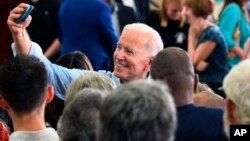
<point>200,54</point>
<point>53,48</point>
<point>203,51</point>
<point>18,31</point>
<point>238,51</point>
<point>59,77</point>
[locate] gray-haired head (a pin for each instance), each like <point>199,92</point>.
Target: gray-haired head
<point>89,80</point>
<point>147,35</point>
<point>79,118</point>
<point>237,87</point>
<point>138,111</point>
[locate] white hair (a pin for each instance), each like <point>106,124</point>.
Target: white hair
<point>152,37</point>
<point>237,88</point>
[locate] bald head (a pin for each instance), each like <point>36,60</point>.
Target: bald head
<point>174,67</point>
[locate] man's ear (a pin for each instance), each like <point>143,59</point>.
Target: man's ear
<point>149,64</point>
<point>231,107</point>
<point>3,104</point>
<point>196,81</point>
<point>50,94</point>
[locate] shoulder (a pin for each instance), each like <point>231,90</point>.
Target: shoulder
<point>112,76</point>
<point>212,32</point>
<point>213,112</point>
<point>232,8</point>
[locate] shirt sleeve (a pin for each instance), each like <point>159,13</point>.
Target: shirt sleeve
<point>59,77</point>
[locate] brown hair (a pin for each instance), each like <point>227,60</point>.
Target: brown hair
<point>164,17</point>
<point>200,8</point>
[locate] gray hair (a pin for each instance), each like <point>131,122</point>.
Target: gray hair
<point>89,80</point>
<point>237,87</point>
<point>79,118</point>
<point>152,38</point>
<point>138,111</point>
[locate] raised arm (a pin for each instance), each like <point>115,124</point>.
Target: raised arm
<point>18,30</point>
<point>59,77</point>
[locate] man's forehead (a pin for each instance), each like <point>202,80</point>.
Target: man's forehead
<point>132,46</point>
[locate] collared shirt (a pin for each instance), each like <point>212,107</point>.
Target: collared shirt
<point>61,77</point>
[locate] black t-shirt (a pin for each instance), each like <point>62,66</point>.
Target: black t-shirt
<point>173,35</point>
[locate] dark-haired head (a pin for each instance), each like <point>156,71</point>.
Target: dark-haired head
<point>23,83</point>
<point>75,60</point>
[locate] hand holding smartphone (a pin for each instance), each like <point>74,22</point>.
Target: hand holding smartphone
<point>25,14</point>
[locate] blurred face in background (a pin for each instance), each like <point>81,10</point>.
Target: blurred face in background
<point>173,9</point>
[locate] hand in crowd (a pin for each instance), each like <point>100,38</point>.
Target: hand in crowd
<point>202,66</point>
<point>15,14</point>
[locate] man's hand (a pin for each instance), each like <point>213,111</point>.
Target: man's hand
<point>18,30</point>
<point>16,13</point>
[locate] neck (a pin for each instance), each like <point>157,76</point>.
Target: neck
<point>183,98</point>
<point>29,122</point>
<point>206,24</point>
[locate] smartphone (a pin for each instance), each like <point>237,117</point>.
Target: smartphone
<point>25,14</point>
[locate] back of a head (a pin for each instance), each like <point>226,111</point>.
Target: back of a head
<point>75,60</point>
<point>146,35</point>
<point>79,118</point>
<point>237,87</point>
<point>23,83</point>
<point>174,67</point>
<point>138,111</point>
<point>89,80</point>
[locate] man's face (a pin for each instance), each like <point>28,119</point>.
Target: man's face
<point>130,58</point>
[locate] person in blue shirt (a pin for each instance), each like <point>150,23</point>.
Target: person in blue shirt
<point>136,48</point>
<point>206,44</point>
<point>174,67</point>
<point>86,26</point>
<point>235,28</point>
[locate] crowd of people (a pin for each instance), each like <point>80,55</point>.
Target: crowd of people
<point>179,75</point>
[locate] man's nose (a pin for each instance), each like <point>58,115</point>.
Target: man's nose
<point>120,54</point>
